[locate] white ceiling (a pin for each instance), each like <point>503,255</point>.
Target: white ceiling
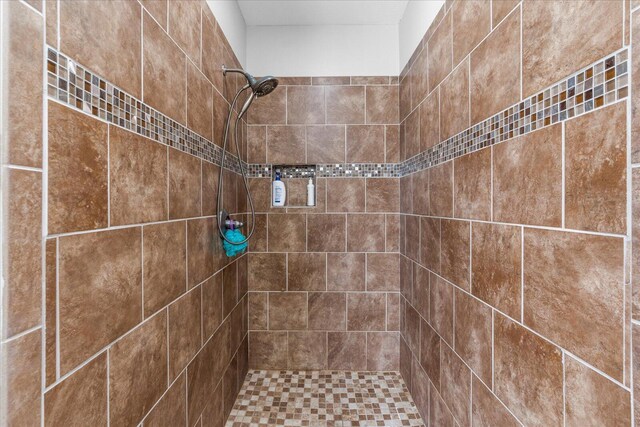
<point>322,12</point>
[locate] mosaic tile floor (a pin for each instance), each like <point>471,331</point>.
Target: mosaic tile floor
<point>324,398</point>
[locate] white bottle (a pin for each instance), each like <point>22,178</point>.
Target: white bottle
<point>279,192</point>
<point>311,193</point>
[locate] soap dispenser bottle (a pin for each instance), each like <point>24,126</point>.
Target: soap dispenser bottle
<point>278,191</point>
<point>311,193</point>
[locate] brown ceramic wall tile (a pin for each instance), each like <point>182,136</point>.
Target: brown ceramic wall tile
<point>573,293</point>
<point>111,47</point>
<point>345,104</point>
<point>420,295</point>
<point>326,233</point>
<point>593,399</point>
<point>306,272</point>
<point>455,385</point>
<point>382,104</point>
<point>269,110</point>
<point>383,195</point>
<point>286,232</point>
<point>496,258</point>
<point>501,8</point>
<point>439,414</point>
<point>164,264</point>
<point>138,178</point>
<point>157,9</point>
<point>430,352</point>
<point>81,398</point>
<point>495,70</point>
<point>77,195</point>
<point>327,311</point>
<point>413,237</point>
<point>138,371</point>
<point>305,105</point>
<point>440,47</point>
<point>404,98</point>
<point>430,121</point>
<point>528,373</point>
<point>392,143</point>
<point>420,192</point>
<point>22,381</point>
<point>393,311</point>
<point>23,251</point>
<point>97,270</point>
<point>184,185</point>
<point>383,272</point>
<point>635,88</point>
<point>383,351</point>
<point>286,144</point>
<point>345,272</point>
<point>455,252</point>
<point>164,67</point>
<point>184,26</point>
<point>552,31</point>
<point>347,351</point>
<point>412,329</point>
<point>418,76</point>
<point>392,226</point>
<point>366,311</point>
<point>258,310</point>
<point>412,134</point>
<point>487,410</point>
<point>454,101</point>
<point>419,386</point>
<point>365,143</point>
<point>51,12</point>
<point>288,311</point>
<point>346,195</point>
<point>365,233</point>
<point>472,186</point>
<point>200,235</point>
<point>521,194</point>
<point>441,190</point>
<point>334,80</point>
<point>471,23</point>
<point>473,334</point>
<point>257,144</point>
<point>229,288</point>
<point>184,331</point>
<point>210,177</point>
<point>211,305</point>
<point>267,272</point>
<point>51,280</point>
<point>171,408</point>
<point>596,173</point>
<point>267,350</point>
<point>441,308</point>
<point>199,100</point>
<point>307,350</point>
<point>24,39</point>
<point>326,144</point>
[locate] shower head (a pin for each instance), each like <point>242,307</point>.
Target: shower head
<point>260,87</point>
<point>264,86</point>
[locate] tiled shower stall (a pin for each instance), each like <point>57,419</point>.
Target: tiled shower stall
<point>471,248</point>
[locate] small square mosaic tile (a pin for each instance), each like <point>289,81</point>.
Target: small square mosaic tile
<point>324,398</point>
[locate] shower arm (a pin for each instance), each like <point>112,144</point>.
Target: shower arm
<point>221,221</point>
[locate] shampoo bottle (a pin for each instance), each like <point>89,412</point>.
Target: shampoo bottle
<point>311,193</point>
<point>278,191</point>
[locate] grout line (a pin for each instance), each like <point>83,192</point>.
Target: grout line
<point>522,275</point>
<point>564,179</point>
<point>108,354</point>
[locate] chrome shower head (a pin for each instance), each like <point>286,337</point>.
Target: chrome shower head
<point>260,87</point>
<point>264,86</point>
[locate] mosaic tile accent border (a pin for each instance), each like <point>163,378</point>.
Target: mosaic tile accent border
<point>324,398</point>
<point>73,84</point>
<point>334,170</point>
<point>601,83</point>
